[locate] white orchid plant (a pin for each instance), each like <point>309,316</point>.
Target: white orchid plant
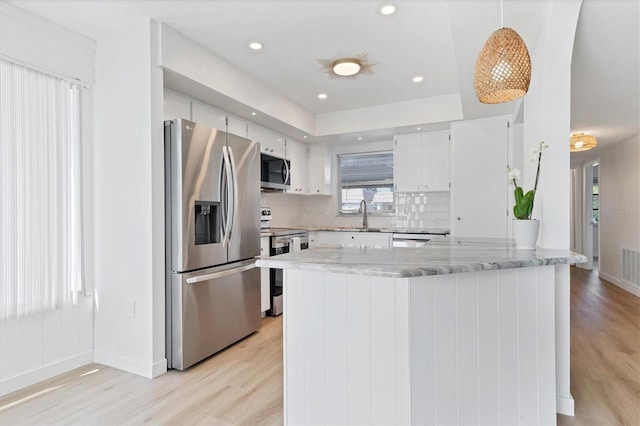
<point>524,202</point>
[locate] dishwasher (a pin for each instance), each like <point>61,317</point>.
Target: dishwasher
<point>415,240</point>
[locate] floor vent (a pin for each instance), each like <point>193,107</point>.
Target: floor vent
<point>631,266</point>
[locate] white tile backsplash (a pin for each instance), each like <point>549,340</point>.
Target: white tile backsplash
<point>414,210</point>
<point>419,210</point>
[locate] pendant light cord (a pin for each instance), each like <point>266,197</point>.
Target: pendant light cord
<point>501,14</point>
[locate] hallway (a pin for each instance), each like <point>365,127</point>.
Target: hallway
<point>605,352</point>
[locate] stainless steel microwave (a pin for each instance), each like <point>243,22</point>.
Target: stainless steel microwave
<point>275,172</point>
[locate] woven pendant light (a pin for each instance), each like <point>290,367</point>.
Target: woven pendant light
<point>503,68</point>
<point>581,142</point>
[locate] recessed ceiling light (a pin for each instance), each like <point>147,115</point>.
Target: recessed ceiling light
<point>305,136</point>
<point>322,96</point>
<point>417,128</point>
<point>359,138</point>
<point>255,45</point>
<point>417,79</point>
<point>388,9</point>
<point>253,113</point>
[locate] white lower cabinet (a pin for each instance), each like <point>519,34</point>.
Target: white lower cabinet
<point>377,239</point>
<point>313,236</point>
<point>264,276</point>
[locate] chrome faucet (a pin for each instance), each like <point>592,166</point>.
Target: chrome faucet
<point>365,220</point>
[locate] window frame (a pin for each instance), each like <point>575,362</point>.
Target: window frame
<point>370,212</point>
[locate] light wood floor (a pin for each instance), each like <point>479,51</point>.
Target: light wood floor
<point>243,384</point>
<point>605,352</point>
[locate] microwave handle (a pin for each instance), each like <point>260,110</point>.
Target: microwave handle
<point>288,171</point>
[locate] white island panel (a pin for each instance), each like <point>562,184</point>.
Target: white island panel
<point>470,348</point>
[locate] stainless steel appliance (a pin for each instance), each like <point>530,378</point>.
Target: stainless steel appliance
<point>275,172</point>
<point>283,241</point>
<point>212,191</point>
<point>265,217</point>
<point>415,240</point>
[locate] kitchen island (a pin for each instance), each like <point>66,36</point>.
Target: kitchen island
<point>459,332</point>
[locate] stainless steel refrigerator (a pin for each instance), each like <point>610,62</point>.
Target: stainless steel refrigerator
<point>212,190</point>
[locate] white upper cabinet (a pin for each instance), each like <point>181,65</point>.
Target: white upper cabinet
<point>215,118</point>
<point>176,106</point>
<point>421,162</point>
<point>297,154</point>
<point>479,187</point>
<point>319,168</point>
<point>271,143</point>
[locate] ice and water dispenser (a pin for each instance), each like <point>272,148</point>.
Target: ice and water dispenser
<point>207,220</point>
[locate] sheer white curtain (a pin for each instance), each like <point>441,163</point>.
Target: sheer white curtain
<point>41,253</point>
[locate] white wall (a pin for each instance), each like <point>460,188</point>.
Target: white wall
<point>619,181</point>
<point>547,118</point>
<point>129,205</point>
<point>30,40</point>
<point>40,346</point>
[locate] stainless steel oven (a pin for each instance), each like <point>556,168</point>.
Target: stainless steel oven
<point>285,241</point>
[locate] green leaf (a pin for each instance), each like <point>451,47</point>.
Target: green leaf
<point>524,203</point>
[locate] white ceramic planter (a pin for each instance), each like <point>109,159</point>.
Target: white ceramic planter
<point>525,233</point>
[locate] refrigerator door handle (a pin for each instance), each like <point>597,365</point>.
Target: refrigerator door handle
<point>228,217</point>
<point>234,186</point>
<point>220,274</point>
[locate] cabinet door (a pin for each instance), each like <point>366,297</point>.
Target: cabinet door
<point>319,165</point>
<point>297,153</point>
<point>176,106</point>
<point>378,239</point>
<point>435,161</point>
<point>265,303</point>
<point>313,237</point>
<point>208,115</point>
<point>407,162</point>
<point>479,187</point>
<point>271,143</point>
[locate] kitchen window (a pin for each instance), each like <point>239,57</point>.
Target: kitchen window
<point>369,177</point>
<point>41,250</point>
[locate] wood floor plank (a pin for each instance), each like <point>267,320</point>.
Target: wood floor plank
<point>242,385</point>
<point>605,352</point>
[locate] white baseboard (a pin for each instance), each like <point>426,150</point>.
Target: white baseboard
<point>32,377</point>
<point>620,283</point>
<point>565,405</point>
<point>159,368</point>
<point>131,365</point>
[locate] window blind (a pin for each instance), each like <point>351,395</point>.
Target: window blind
<point>369,169</point>
<point>41,234</point>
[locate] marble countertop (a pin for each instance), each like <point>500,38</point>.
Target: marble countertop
<point>438,231</point>
<point>438,257</point>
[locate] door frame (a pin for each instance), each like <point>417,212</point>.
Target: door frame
<point>587,214</point>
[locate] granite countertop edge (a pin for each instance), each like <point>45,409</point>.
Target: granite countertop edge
<point>345,260</point>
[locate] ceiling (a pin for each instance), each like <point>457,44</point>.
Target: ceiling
<point>438,40</point>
